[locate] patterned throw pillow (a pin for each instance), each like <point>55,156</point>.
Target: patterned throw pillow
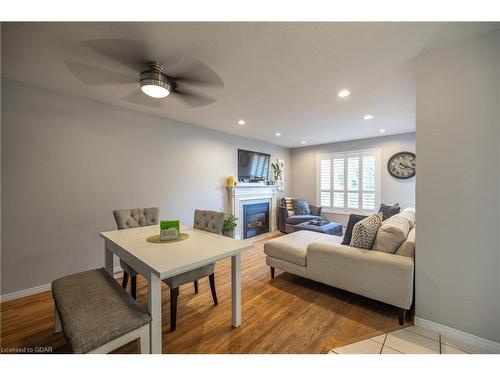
<point>365,231</point>
<point>300,207</point>
<point>289,205</point>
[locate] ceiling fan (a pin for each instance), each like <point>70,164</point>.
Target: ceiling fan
<point>141,70</point>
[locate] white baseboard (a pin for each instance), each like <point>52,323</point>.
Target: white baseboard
<point>117,273</point>
<point>481,344</point>
<point>25,293</point>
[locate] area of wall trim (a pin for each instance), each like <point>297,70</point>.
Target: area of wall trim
<point>117,273</point>
<point>481,345</point>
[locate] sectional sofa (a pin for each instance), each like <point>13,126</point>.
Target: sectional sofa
<point>385,274</point>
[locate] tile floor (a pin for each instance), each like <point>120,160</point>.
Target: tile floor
<point>411,340</point>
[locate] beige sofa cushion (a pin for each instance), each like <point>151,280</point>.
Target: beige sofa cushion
<point>293,247</point>
<point>392,233</point>
<point>409,213</point>
<point>407,248</point>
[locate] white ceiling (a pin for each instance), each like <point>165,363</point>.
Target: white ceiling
<point>278,77</point>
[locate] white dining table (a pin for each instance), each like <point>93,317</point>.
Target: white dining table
<point>157,261</point>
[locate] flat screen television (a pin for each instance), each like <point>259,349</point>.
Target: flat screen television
<point>253,166</point>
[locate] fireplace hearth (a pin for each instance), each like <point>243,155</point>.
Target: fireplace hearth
<point>255,219</point>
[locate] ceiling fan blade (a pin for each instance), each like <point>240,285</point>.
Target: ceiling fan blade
<point>193,100</point>
<point>137,97</point>
<point>95,76</point>
<point>195,72</point>
<point>131,53</point>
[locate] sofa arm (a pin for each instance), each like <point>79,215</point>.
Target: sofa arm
<point>373,274</point>
<point>315,210</point>
<point>282,216</point>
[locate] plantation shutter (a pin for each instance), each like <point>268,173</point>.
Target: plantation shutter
<point>338,182</point>
<point>369,182</point>
<point>325,171</point>
<point>348,182</point>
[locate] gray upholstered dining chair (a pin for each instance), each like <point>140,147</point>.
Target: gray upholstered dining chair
<point>210,221</point>
<point>133,218</point>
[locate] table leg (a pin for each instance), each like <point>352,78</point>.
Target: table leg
<point>236,290</point>
<point>108,259</point>
<point>154,307</point>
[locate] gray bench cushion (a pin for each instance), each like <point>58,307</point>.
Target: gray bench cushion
<point>95,310</point>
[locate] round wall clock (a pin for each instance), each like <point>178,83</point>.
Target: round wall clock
<point>402,165</point>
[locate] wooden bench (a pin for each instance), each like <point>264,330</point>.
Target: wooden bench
<point>96,315</point>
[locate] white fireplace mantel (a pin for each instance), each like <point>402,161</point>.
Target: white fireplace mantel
<point>239,195</point>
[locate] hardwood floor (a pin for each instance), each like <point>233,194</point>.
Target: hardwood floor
<point>288,314</point>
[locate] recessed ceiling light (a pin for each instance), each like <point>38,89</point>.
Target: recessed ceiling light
<point>303,142</point>
<point>382,131</point>
<point>367,117</point>
<point>343,93</point>
<point>241,122</point>
<point>277,134</point>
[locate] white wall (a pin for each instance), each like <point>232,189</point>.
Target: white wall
<point>303,178</point>
<point>458,190</point>
<point>67,162</point>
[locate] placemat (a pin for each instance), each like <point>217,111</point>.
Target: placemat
<point>156,238</point>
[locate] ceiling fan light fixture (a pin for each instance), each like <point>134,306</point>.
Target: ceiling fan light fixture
<point>153,82</point>
<point>155,91</point>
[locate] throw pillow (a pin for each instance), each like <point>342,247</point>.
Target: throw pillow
<point>389,210</point>
<point>353,219</point>
<point>289,205</point>
<point>300,207</point>
<point>391,234</point>
<point>409,213</point>
<point>364,232</point>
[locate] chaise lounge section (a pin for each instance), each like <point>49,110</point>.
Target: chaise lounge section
<point>380,275</point>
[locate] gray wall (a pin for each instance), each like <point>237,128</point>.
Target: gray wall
<point>303,180</point>
<point>458,188</point>
<point>67,162</point>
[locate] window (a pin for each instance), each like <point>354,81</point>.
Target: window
<point>349,181</point>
